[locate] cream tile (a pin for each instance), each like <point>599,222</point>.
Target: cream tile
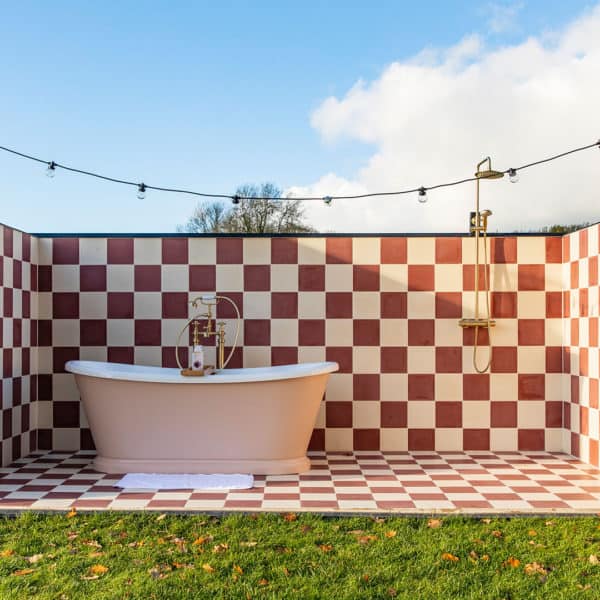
<point>506,333</point>
<point>366,359</point>
<point>45,418</point>
<point>170,330</point>
<point>366,251</point>
<point>64,387</point>
<point>366,305</point>
<point>553,334</point>
<point>284,332</point>
<point>554,277</point>
<point>553,440</point>
<point>504,439</point>
<point>65,439</point>
<point>311,251</point>
<point>92,251</point>
<point>147,251</point>
<point>284,278</point>
<point>394,332</point>
<point>476,414</point>
<point>257,305</point>
<point>339,332</point>
<point>120,278</point>
<point>257,251</point>
<point>393,439</point>
<point>531,305</point>
<point>65,278</point>
<point>531,359</point>
<point>311,305</point>
<point>421,359</point>
<point>147,305</point>
<point>202,251</point>
<point>92,305</point>
<point>175,278</point>
<point>393,386</point>
<point>45,251</point>
<point>338,439</point>
<point>420,251</point>
<point>365,415</point>
<point>504,277</point>
<point>311,354</point>
<point>469,249</point>
<point>504,386</point>
<point>339,387</point>
<point>483,357</point>
<point>120,332</point>
<point>555,383</point>
<point>421,305</point>
<point>393,278</point>
<point>449,387</point>
<point>148,355</point>
<point>93,353</point>
<point>448,332</point>
<point>339,278</point>
<point>65,332</point>
<point>257,357</point>
<point>531,415</point>
<point>531,250</point>
<point>448,278</point>
<point>230,278</point>
<point>421,415</point>
<point>448,439</point>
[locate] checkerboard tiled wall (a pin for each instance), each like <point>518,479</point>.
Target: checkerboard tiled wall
<point>18,277</point>
<point>385,308</point>
<point>581,414</point>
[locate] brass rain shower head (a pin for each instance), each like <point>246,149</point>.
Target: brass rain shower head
<point>488,173</point>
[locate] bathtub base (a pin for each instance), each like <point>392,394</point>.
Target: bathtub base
<point>286,466</point>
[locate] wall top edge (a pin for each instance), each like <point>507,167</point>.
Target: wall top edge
<point>284,235</point>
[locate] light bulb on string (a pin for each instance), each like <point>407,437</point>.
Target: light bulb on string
<point>327,200</point>
<point>235,199</point>
<point>513,175</point>
<point>141,193</point>
<point>422,195</point>
<point>51,170</point>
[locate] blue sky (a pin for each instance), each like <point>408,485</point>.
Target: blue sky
<point>204,95</point>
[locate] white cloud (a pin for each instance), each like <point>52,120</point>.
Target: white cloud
<point>433,117</point>
<point>502,15</point>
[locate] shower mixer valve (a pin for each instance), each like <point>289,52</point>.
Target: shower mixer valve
<point>478,221</point>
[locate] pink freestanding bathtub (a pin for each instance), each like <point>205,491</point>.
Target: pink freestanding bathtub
<point>154,420</point>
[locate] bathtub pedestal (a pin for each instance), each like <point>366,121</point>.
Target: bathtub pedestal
<point>256,467</point>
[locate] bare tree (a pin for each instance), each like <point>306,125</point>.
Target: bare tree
<point>259,212</point>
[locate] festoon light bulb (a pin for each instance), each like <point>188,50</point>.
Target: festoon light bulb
<point>51,170</point>
<point>422,195</point>
<point>513,175</point>
<point>141,193</point>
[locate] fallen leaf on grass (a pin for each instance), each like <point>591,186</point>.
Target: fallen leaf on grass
<point>248,544</point>
<point>365,577</point>
<point>98,569</point>
<point>593,559</point>
<point>71,513</point>
<point>238,569</point>
<point>434,523</point>
<point>290,517</point>
<point>390,534</point>
<point>532,533</point>
<point>512,562</point>
<point>306,528</point>
<point>549,523</point>
<point>497,533</point>
<point>95,554</point>
<point>6,553</point>
<point>263,581</point>
<point>486,521</point>
<point>285,571</point>
<point>72,535</point>
<point>208,568</point>
<point>219,548</point>
<point>157,573</point>
<point>137,544</point>
<point>450,557</point>
<point>161,517</point>
<point>392,592</point>
<point>485,557</point>
<point>203,539</point>
<point>22,572</point>
<point>326,547</point>
<point>534,567</point>
<point>366,539</point>
<point>585,587</point>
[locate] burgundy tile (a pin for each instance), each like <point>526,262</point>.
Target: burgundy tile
<point>503,413</point>
<point>202,278</point>
<point>230,250</point>
<point>476,439</point>
<point>503,305</point>
<point>257,278</point>
<point>422,439</point>
<point>574,275</point>
<point>123,355</point>
<point>393,305</point>
<point>65,414</point>
<point>469,277</point>
<point>120,251</point>
<point>448,250</point>
<point>92,278</point>
<point>8,302</point>
<point>504,359</point>
<point>317,440</point>
<point>284,251</point>
<point>532,277</point>
<point>554,359</point>
<point>448,414</point>
<point>284,305</point>
<point>553,413</point>
<point>476,386</point>
<point>366,278</point>
<point>421,387</point>
<point>338,413</point>
<point>448,305</point>
<point>257,332</point>
<point>311,332</point>
<point>92,332</point>
<point>394,359</point>
<point>366,387</point>
<point>393,250</point>
<point>421,278</point>
<point>45,278</point>
<point>284,355</point>
<point>8,241</point>
<point>593,270</point>
<point>583,243</point>
<point>175,305</point>
<point>366,332</point>
<point>421,332</point>
<point>120,305</point>
<point>225,310</point>
<point>393,414</point>
<point>338,305</point>
<point>174,251</point>
<point>504,250</point>
<point>65,305</point>
<point>147,278</point>
<point>65,251</point>
<point>448,359</point>
<point>553,250</point>
<point>531,439</point>
<point>147,332</point>
<point>531,387</point>
<point>311,278</point>
<point>365,439</point>
<point>338,250</point>
<point>340,355</point>
<point>62,355</point>
<point>17,274</point>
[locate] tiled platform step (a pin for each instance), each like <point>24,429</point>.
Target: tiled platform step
<point>408,483</point>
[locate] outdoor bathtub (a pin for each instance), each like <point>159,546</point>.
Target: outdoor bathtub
<point>154,420</point>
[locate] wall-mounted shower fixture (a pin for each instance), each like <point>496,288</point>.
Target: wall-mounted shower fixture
<point>210,301</point>
<point>478,224</point>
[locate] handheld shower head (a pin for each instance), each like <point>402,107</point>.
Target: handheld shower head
<point>486,213</point>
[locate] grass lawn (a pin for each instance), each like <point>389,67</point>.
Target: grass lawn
<point>145,555</point>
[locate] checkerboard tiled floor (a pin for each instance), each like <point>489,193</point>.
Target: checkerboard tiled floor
<point>338,482</point>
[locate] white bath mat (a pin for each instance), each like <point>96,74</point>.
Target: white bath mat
<point>176,481</point>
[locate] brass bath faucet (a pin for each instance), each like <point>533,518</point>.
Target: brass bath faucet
<point>208,331</point>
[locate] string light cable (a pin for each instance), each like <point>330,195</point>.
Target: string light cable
<point>513,173</point>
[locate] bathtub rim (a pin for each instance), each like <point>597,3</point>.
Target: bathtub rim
<point>151,374</point>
